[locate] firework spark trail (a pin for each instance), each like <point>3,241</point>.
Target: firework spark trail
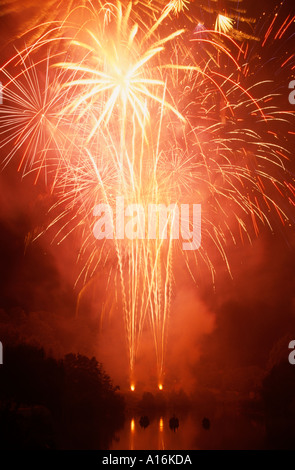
<point>144,289</point>
<point>129,111</point>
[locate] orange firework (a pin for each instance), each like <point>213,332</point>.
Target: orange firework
<point>127,111</point>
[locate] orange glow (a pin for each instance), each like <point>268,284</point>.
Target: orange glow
<point>132,425</point>
<point>115,114</point>
<point>161,424</point>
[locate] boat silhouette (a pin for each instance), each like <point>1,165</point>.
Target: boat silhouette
<point>173,423</point>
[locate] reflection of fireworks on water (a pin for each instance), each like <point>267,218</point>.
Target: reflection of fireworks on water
<point>129,110</point>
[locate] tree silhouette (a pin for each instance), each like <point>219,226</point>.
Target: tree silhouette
<point>45,403</point>
<point>278,392</point>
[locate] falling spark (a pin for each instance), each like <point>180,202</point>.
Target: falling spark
<point>223,24</point>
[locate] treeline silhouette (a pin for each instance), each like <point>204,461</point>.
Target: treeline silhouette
<point>56,404</point>
<point>278,393</point>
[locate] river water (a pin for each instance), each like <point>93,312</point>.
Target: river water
<point>228,430</point>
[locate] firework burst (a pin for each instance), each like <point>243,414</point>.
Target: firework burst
<point>126,110</point>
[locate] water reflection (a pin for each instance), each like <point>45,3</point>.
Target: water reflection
<point>157,435</point>
<point>132,425</point>
<point>132,432</point>
<point>225,431</point>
